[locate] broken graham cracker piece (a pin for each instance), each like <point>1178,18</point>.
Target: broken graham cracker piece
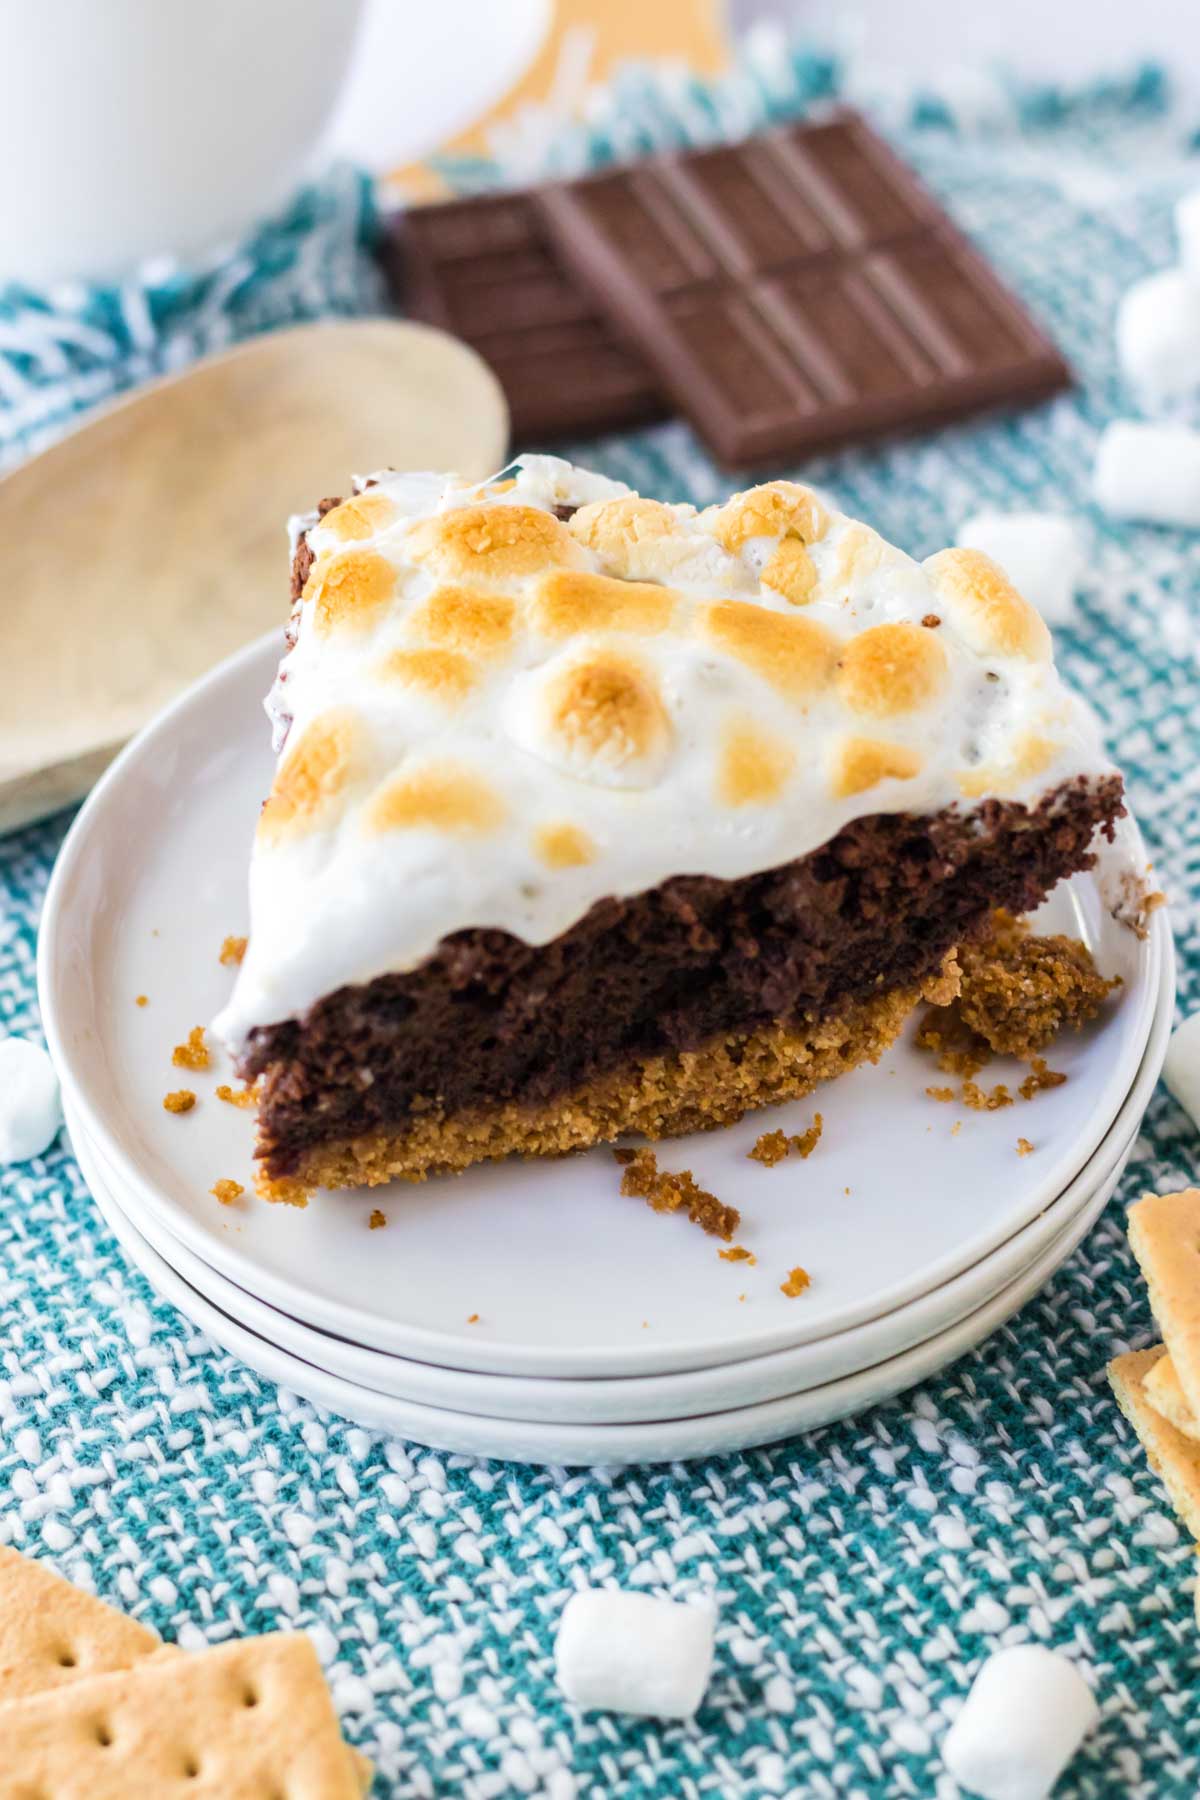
<point>1040,1080</point>
<point>773,1146</point>
<point>194,1054</point>
<point>770,1148</point>
<point>667,1191</point>
<point>53,1633</point>
<point>249,1720</point>
<point>1168,1399</point>
<point>806,1142</point>
<point>1018,991</point>
<point>1174,1458</point>
<point>985,1100</point>
<point>244,1096</point>
<point>1164,1235</point>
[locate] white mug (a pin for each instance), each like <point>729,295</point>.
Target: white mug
<point>134,128</point>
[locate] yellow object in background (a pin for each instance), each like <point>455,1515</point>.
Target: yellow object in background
<point>586,42</point>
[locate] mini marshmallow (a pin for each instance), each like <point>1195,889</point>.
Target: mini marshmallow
<point>30,1108</point>
<point>1027,1713</point>
<point>1158,337</point>
<point>1149,472</point>
<point>1040,553</point>
<point>1181,1070</point>
<point>630,1653</point>
<point>1187,230</point>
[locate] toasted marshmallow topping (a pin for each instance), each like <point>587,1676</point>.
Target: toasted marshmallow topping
<point>494,716</point>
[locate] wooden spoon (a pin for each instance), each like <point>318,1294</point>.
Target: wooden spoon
<point>150,543</point>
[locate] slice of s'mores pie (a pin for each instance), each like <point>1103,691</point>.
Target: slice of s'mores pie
<point>595,814</point>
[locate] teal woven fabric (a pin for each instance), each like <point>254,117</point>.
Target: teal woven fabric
<point>66,349</point>
<point>862,1572</point>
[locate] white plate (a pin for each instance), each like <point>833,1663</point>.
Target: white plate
<point>600,1445</point>
<point>567,1400</point>
<point>600,1400</point>
<point>686,1394</point>
<point>568,1278</point>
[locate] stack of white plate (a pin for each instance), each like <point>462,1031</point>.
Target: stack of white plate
<point>527,1310</point>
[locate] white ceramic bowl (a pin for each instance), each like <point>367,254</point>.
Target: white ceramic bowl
<point>139,128</point>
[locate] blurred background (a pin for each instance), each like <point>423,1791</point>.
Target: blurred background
<point>138,135</point>
<point>1064,39</point>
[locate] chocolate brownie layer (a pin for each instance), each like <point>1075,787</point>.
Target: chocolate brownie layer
<point>655,1096</point>
<point>489,1020</point>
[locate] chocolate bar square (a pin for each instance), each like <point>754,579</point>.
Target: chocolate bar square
<point>799,291</point>
<point>485,269</point>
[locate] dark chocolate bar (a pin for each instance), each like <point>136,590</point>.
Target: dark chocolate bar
<point>485,269</point>
<point>799,291</point>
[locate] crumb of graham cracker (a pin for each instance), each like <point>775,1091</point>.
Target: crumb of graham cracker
<point>773,1146</point>
<point>770,1148</point>
<point>665,1190</point>
<point>1019,989</point>
<point>641,1167</point>
<point>247,1096</point>
<point>194,1053</point>
<point>142,1000</point>
<point>1040,1080</point>
<point>472,1318</point>
<point>233,950</point>
<point>227,1191</point>
<point>944,1094</point>
<point>798,1279</point>
<point>377,1220</point>
<point>738,1253</point>
<point>1024,1147</point>
<point>980,1100</point>
<point>807,1141</point>
<point>181,1101</point>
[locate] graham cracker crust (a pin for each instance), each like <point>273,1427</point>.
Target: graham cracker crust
<point>656,1097</point>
